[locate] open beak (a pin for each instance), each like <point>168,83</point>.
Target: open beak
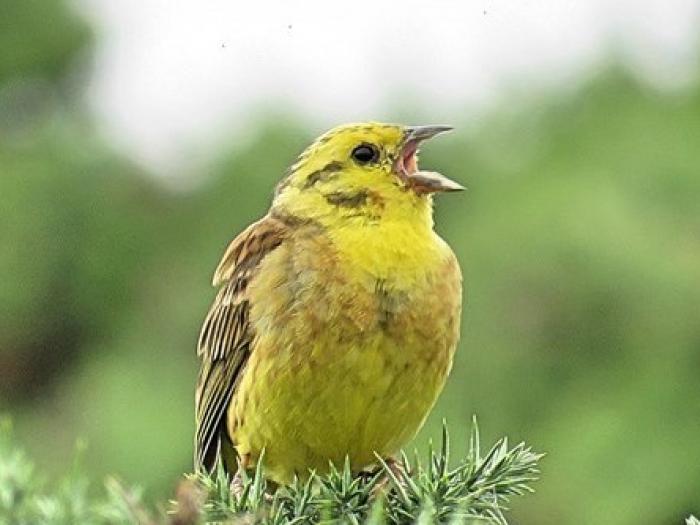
<point>407,165</point>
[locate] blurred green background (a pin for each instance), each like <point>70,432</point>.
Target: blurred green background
<point>579,239</point>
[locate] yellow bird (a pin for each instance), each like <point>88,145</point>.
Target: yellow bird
<point>338,313</point>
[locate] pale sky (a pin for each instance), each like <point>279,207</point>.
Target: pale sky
<point>173,79</point>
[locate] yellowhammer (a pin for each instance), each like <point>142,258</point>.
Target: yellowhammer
<point>338,312</point>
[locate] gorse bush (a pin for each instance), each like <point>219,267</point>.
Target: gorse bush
<point>477,489</point>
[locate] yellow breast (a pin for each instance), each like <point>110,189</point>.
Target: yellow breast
<point>354,340</point>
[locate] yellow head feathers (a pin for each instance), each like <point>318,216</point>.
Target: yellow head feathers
<point>363,172</point>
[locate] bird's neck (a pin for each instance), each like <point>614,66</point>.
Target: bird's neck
<point>397,252</point>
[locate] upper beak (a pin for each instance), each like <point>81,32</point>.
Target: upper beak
<point>422,181</point>
<point>420,133</point>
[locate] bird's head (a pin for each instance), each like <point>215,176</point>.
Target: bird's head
<point>365,173</point>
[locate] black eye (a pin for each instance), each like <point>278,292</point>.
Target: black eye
<point>365,153</point>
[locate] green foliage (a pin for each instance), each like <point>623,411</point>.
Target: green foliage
<point>413,491</point>
<point>26,498</point>
<point>38,39</point>
<point>476,490</point>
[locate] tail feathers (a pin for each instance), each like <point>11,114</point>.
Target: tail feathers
<point>221,450</point>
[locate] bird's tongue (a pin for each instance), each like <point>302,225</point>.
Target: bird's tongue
<point>410,163</point>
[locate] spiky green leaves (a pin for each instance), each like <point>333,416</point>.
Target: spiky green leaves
<point>477,489</point>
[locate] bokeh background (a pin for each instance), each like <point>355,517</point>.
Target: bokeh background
<point>137,138</point>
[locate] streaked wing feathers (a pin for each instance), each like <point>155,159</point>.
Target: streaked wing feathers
<point>226,339</point>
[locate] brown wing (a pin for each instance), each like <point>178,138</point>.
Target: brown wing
<point>225,341</point>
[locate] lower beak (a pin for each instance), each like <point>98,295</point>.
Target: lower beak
<point>432,182</point>
<point>406,166</point>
